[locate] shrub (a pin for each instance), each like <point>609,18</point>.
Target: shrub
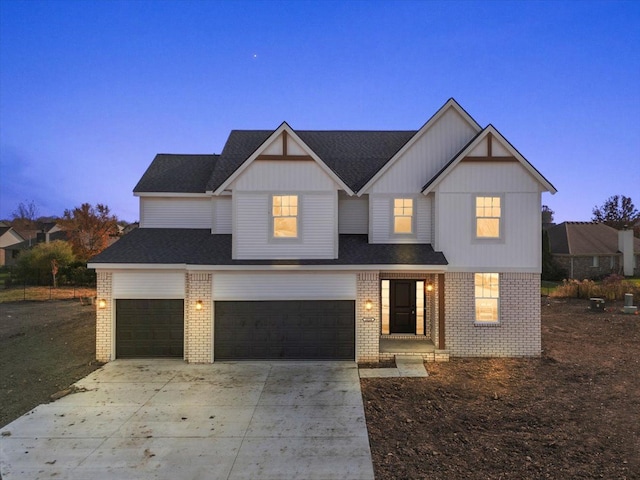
<point>613,287</point>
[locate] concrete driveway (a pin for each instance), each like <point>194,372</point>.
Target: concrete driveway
<point>164,419</point>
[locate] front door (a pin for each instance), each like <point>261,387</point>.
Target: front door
<point>402,306</point>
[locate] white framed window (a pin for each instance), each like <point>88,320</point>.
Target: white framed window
<point>403,216</point>
<point>284,214</point>
<point>488,212</point>
<point>595,262</point>
<point>487,297</point>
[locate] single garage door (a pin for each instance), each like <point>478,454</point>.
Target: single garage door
<point>149,328</point>
<point>301,329</point>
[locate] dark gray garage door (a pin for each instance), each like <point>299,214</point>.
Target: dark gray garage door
<point>314,329</point>
<point>149,328</point>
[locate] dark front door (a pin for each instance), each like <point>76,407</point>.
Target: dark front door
<point>403,306</point>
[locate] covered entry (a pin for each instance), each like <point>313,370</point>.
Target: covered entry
<point>294,329</point>
<point>149,328</point>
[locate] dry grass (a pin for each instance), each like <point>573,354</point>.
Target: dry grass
<point>45,293</point>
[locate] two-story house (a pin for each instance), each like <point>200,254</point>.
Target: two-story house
<point>296,244</point>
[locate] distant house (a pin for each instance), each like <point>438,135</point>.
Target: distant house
<point>8,237</point>
<point>593,250</point>
<point>42,233</point>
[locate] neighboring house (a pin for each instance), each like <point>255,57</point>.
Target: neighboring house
<point>42,233</point>
<point>588,250</point>
<point>8,237</point>
<point>331,244</point>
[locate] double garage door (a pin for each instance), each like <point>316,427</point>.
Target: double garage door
<point>303,329</point>
<point>314,318</point>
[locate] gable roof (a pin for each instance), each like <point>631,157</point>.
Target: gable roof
<point>473,143</point>
<point>284,127</point>
<point>585,238</point>
<point>449,104</point>
<point>170,173</point>
<point>354,156</point>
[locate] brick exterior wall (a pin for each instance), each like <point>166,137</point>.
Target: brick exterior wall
<point>104,317</point>
<point>518,334</point>
<point>367,332</point>
<point>198,324</point>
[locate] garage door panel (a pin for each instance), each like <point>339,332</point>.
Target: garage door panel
<point>149,328</point>
<point>303,329</point>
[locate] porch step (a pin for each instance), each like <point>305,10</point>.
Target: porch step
<point>409,359</point>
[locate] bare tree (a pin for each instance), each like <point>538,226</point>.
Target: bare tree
<point>25,215</point>
<point>617,211</point>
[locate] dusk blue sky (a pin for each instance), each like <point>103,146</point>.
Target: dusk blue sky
<point>90,91</point>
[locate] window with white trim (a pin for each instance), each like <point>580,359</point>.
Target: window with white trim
<point>488,217</point>
<point>487,296</point>
<point>284,211</point>
<point>403,215</point>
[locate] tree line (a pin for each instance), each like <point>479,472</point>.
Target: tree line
<point>88,230</point>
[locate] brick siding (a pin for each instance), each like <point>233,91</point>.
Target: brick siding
<point>104,317</point>
<point>518,332</point>
<point>367,332</point>
<point>198,325</point>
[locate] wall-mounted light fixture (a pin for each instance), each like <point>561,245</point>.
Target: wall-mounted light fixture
<point>429,287</point>
<point>102,303</point>
<point>368,305</point>
<point>199,305</point>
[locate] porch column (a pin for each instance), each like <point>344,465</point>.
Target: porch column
<point>368,321</point>
<point>104,317</point>
<point>439,340</point>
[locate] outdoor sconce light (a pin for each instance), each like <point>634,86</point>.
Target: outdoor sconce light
<point>102,303</point>
<point>199,305</point>
<point>429,287</point>
<point>368,305</point>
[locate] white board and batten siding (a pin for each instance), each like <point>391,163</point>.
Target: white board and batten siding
<point>381,219</point>
<point>353,214</point>
<point>252,237</point>
<point>148,285</point>
<point>426,156</point>
<point>176,212</point>
<point>284,286</point>
<point>519,248</point>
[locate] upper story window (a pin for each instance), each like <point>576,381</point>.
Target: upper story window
<point>403,215</point>
<point>488,217</point>
<point>284,210</point>
<point>487,295</point>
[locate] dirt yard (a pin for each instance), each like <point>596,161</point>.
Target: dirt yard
<point>574,413</point>
<point>44,348</point>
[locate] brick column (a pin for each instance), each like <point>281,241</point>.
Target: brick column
<point>368,332</point>
<point>198,325</point>
<point>104,317</point>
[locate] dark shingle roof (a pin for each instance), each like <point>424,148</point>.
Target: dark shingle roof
<point>177,173</point>
<point>200,247</point>
<point>585,238</point>
<point>240,145</point>
<point>354,156</point>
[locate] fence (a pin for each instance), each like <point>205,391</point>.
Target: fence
<point>76,281</point>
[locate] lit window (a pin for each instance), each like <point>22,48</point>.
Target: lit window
<point>403,215</point>
<point>487,293</point>
<point>488,214</point>
<point>284,209</point>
